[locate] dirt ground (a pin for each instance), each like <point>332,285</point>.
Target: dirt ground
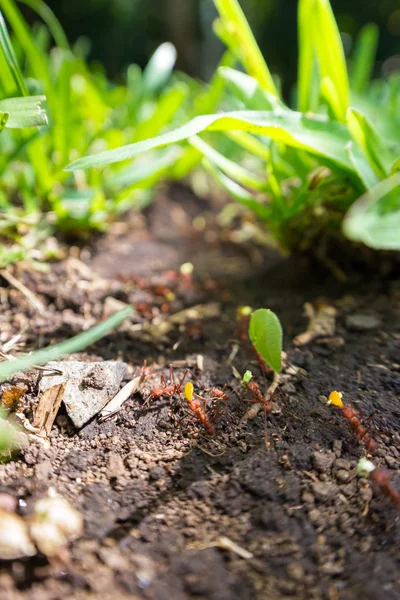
<point>158,495</point>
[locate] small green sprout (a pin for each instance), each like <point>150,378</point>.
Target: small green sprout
<point>246,378</point>
<point>8,437</point>
<point>186,268</point>
<point>265,332</point>
<point>364,467</point>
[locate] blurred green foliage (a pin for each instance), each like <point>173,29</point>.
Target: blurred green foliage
<point>124,31</point>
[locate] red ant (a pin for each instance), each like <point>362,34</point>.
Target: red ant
<point>352,415</point>
<point>258,398</point>
<point>198,406</point>
<point>218,394</point>
<point>171,388</point>
<point>381,479</point>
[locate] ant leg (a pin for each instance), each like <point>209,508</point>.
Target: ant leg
<point>185,375</point>
<point>163,381</point>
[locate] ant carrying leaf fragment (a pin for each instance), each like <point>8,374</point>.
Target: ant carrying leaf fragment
<point>352,415</point>
<point>380,478</point>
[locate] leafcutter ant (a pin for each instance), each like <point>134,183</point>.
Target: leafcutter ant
<point>352,415</point>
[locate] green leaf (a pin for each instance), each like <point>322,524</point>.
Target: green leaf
<point>362,167</point>
<point>26,111</point>
<point>249,91</point>
<point>366,137</point>
<point>308,84</point>
<point>3,120</point>
<point>374,219</point>
<point>243,41</point>
<point>144,174</point>
<point>159,69</point>
<point>237,191</point>
<point>248,376</point>
<point>316,135</point>
<point>75,344</point>
<point>8,437</point>
<point>395,166</point>
<point>12,62</point>
<point>320,38</point>
<point>265,332</point>
<point>231,168</point>
<point>364,58</point>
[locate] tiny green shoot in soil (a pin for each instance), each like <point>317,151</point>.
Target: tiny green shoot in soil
<point>265,332</point>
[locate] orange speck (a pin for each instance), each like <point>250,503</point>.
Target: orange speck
<point>335,398</point>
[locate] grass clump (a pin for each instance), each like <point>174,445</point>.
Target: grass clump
<point>87,114</point>
<point>310,164</point>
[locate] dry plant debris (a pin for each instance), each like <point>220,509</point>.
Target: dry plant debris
<point>322,323</point>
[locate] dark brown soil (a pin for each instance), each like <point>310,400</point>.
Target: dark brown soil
<point>156,492</point>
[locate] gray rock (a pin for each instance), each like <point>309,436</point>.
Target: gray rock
<point>360,322</point>
<point>323,461</point>
<point>89,386</point>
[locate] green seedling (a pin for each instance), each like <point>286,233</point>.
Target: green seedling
<point>247,377</point>
<point>8,437</point>
<point>308,163</point>
<point>265,332</point>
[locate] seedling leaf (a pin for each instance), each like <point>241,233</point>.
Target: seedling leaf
<point>375,218</point>
<point>248,376</point>
<point>265,332</point>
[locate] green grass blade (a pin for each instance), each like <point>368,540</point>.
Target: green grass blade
<point>144,175</point>
<point>24,112</point>
<point>374,219</point>
<point>53,24</point>
<point>159,68</point>
<point>364,58</point>
<point>236,191</point>
<point>239,30</point>
<point>12,62</point>
<point>308,85</point>
<point>169,103</point>
<point>317,135</point>
<point>229,167</point>
<point>365,136</point>
<point>330,55</point>
<point>248,90</point>
<point>24,37</point>
<point>362,166</point>
<point>250,143</point>
<point>75,344</point>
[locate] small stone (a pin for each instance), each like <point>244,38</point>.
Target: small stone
<point>337,447</point>
<point>308,498</point>
<point>156,473</point>
<point>116,465</point>
<point>324,491</point>
<point>295,571</point>
<point>343,463</point>
<point>391,462</point>
<point>342,476</point>
<point>43,470</point>
<point>323,461</point>
<point>89,386</point>
<point>362,322</point>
